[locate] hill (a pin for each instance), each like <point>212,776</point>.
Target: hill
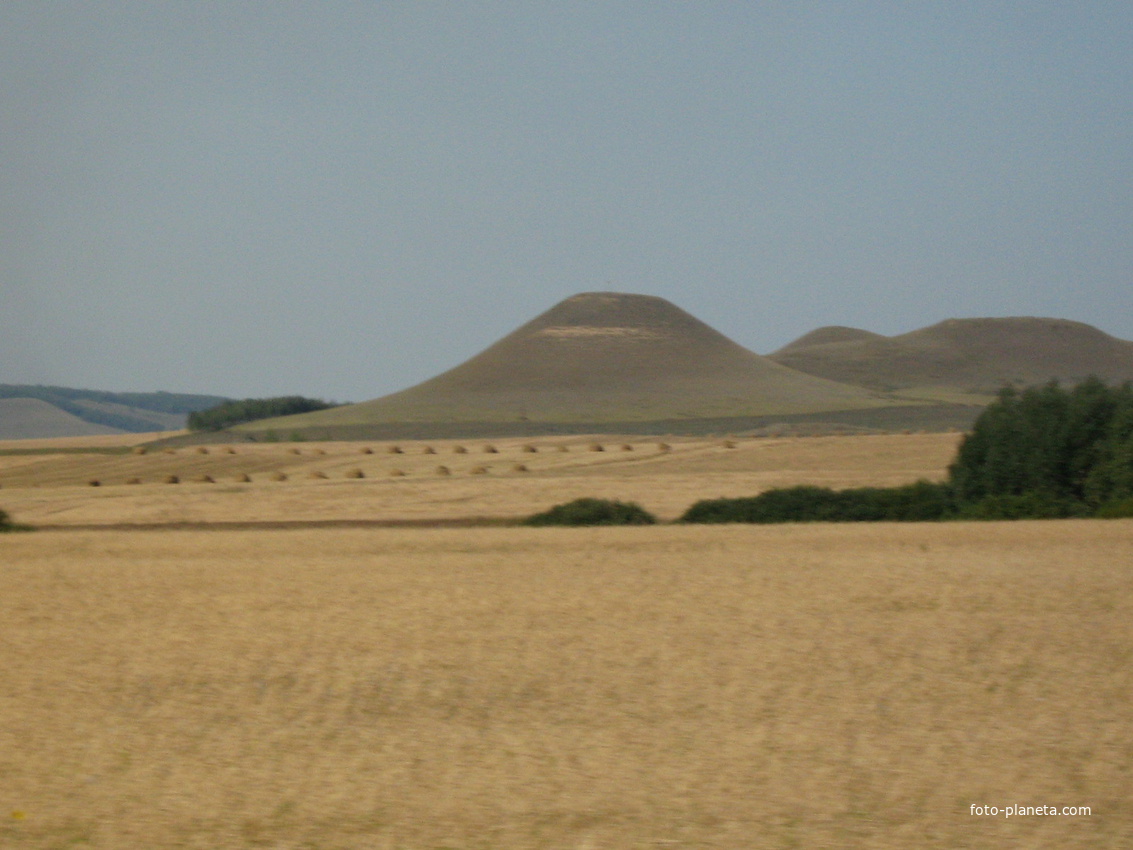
<point>27,418</point>
<point>602,357</point>
<point>962,356</point>
<point>109,412</point>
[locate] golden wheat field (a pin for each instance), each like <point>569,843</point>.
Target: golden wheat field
<point>814,686</point>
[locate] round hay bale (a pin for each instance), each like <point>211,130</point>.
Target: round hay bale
<point>169,451</point>
<point>139,450</point>
<point>278,476</point>
<point>443,470</point>
<point>530,449</point>
<point>94,482</point>
<point>316,474</point>
<point>228,450</point>
<point>459,450</point>
<point>564,448</point>
<point>397,473</point>
<point>597,447</point>
<point>728,444</point>
<point>664,447</point>
<point>203,479</point>
<point>355,473</point>
<point>320,451</point>
<point>133,481</point>
<point>626,447</point>
<point>202,450</point>
<point>519,467</point>
<point>170,479</point>
<point>366,450</point>
<point>429,450</point>
<point>243,478</point>
<point>491,450</point>
<point>295,451</point>
<point>478,470</point>
<point>394,450</point>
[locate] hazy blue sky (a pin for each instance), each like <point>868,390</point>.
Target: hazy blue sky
<point>342,199</point>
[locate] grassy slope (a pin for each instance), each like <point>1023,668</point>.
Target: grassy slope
<point>963,359</point>
<point>26,418</point>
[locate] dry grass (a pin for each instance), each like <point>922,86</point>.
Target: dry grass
<point>811,687</point>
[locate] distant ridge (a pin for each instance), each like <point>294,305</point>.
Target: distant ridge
<point>602,357</point>
<point>977,356</point>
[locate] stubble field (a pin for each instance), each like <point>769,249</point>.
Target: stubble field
<point>726,687</point>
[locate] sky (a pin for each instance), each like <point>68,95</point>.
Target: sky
<point>342,199</point>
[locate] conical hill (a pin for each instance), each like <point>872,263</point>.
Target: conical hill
<point>604,357</point>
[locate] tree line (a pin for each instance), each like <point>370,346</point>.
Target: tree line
<point>250,409</point>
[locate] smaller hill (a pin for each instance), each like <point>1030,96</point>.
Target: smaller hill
<point>963,356</point>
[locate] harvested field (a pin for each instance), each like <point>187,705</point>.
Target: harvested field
<point>664,477</point>
<point>725,687</point>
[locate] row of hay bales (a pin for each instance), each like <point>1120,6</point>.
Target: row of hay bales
<point>354,474</point>
<point>489,448</point>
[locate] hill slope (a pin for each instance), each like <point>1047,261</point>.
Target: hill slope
<point>28,418</point>
<point>115,412</point>
<point>963,355</point>
<point>603,357</point>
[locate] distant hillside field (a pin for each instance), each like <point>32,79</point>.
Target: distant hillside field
<point>962,358</point>
<point>28,418</point>
<point>82,412</point>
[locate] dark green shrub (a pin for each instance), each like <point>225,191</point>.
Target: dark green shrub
<point>1032,505</point>
<point>1117,509</point>
<point>589,511</point>
<point>923,501</point>
<point>7,525</point>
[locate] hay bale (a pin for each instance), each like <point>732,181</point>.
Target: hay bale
<point>394,450</point>
<point>564,448</point>
<point>728,444</point>
<point>295,451</point>
<point>597,447</point>
<point>243,478</point>
<point>478,470</point>
<point>355,473</point>
<point>443,470</point>
<point>320,451</point>
<point>459,450</point>
<point>169,451</point>
<point>397,473</point>
<point>519,467</point>
<point>429,450</point>
<point>626,447</point>
<point>491,450</point>
<point>94,482</point>
<point>171,479</point>
<point>133,481</point>
<point>139,450</point>
<point>202,450</point>
<point>366,450</point>
<point>203,479</point>
<point>316,474</point>
<point>530,449</point>
<point>278,476</point>
<point>664,447</point>
<point>228,450</point>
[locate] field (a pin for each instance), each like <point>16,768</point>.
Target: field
<point>471,688</point>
